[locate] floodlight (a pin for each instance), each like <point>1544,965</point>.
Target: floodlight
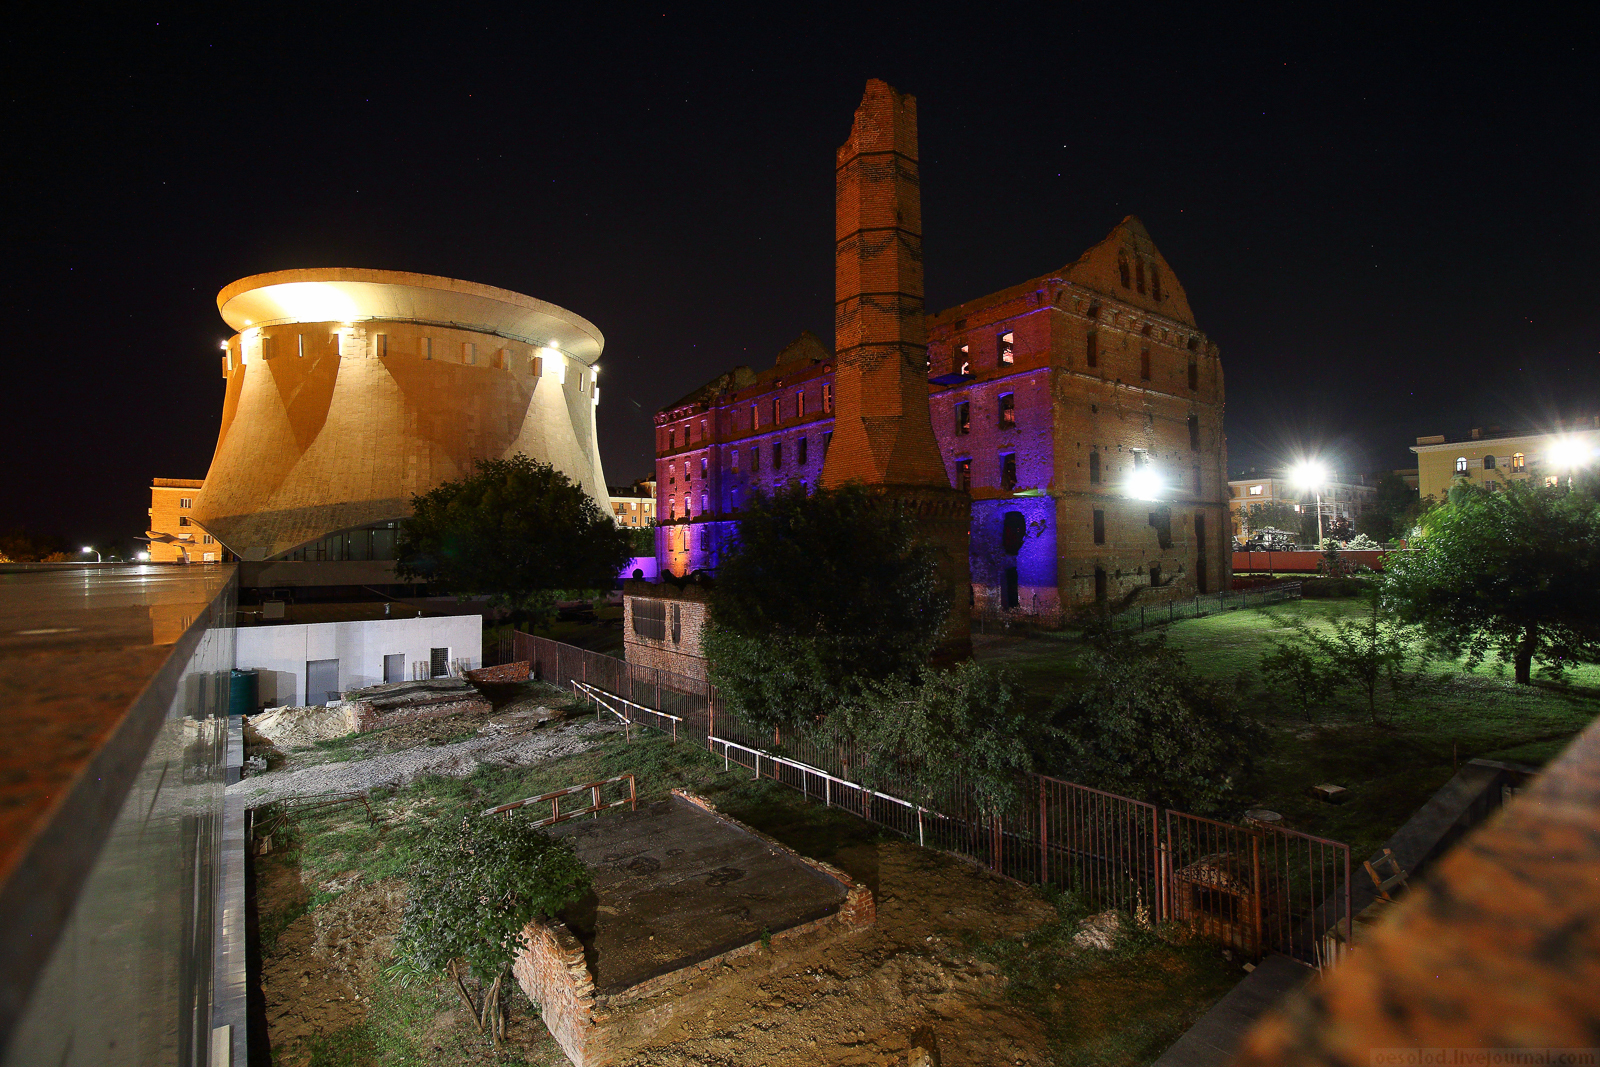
<point>1570,452</point>
<point>1309,475</point>
<point>1144,484</point>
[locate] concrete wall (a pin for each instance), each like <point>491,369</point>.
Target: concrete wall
<point>280,653</point>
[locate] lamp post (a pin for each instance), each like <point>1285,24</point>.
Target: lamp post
<point>96,551</point>
<point>1312,475</point>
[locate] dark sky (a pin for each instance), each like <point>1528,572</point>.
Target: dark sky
<point>1389,223</point>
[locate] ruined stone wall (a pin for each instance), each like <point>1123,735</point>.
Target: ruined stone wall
<point>684,611</point>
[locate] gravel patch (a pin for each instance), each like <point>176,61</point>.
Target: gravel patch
<point>498,747</point>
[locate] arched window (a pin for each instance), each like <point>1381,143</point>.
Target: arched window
<point>1461,464</point>
<point>1138,275</point>
<point>1488,463</point>
<point>1519,462</point>
<point>1122,270</point>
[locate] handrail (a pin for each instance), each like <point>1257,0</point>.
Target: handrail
<point>600,696</point>
<point>557,815</point>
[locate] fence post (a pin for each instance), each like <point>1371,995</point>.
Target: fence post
<point>1141,618</point>
<point>994,843</point>
<point>1044,833</point>
<point>1255,894</point>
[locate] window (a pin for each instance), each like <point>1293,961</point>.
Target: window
<point>1008,589</point>
<point>183,520</point>
<point>1461,464</point>
<point>799,404</point>
<point>1100,585</point>
<point>1013,532</point>
<point>300,343</point>
<point>705,503</point>
<point>1161,522</point>
<point>1008,471</point>
<point>964,474</point>
<point>1008,410</point>
<point>672,474</point>
<point>702,468</point>
<point>672,439</point>
<point>827,398</point>
<point>1194,433</point>
<point>755,459</point>
<point>469,352</point>
<point>649,619</point>
<point>1194,342</point>
<point>1141,459</point>
<point>733,458</point>
<point>800,452</point>
<point>1194,375</point>
<point>1551,481</point>
<point>1155,575</point>
<point>1155,281</point>
<point>1006,348</point>
<point>1138,275</point>
<point>755,415</point>
<point>827,439</point>
<point>777,410</point>
<point>1488,463</point>
<point>438,662</point>
<point>777,455</point>
<point>208,540</point>
<point>1255,490</point>
<point>1122,270</point>
<point>425,347</point>
<point>380,345</point>
<point>1091,351</point>
<point>186,502</point>
<point>1197,479</point>
<point>677,624</point>
<point>1519,462</point>
<point>964,356</point>
<point>1144,364</point>
<point>963,418</point>
<point>1099,527</point>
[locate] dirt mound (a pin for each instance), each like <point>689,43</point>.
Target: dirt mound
<point>290,727</point>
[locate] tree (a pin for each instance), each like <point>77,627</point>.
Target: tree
<point>1511,572</point>
<point>926,735</point>
<point>1366,656</point>
<point>1276,516</point>
<point>820,595</point>
<point>474,890</point>
<point>1394,510</point>
<point>1147,727</point>
<point>1295,669</point>
<point>517,530</point>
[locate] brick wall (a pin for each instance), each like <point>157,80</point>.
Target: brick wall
<point>685,611</point>
<point>505,672</point>
<point>363,716</point>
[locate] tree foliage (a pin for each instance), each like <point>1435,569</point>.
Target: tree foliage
<point>821,595</point>
<point>1369,655</point>
<point>518,531</point>
<point>1511,572</point>
<point>1148,727</point>
<point>924,735</point>
<point>1394,510</point>
<point>474,890</point>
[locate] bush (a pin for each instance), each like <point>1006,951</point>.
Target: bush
<point>473,892</point>
<point>1149,728</point>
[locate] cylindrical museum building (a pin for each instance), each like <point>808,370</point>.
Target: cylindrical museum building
<point>350,391</point>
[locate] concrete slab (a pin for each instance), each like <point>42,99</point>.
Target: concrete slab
<point>675,885</point>
<point>1212,1041</point>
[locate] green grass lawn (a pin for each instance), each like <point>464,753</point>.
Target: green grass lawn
<point>1391,769</point>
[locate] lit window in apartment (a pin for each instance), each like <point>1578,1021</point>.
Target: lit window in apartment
<point>1519,462</point>
<point>1194,433</point>
<point>1461,464</point>
<point>800,451</point>
<point>777,455</point>
<point>827,398</point>
<point>1094,468</point>
<point>1099,527</point>
<point>1255,490</point>
<point>963,474</point>
<point>963,418</point>
<point>1008,471</point>
<point>1008,410</point>
<point>1091,350</point>
<point>380,345</point>
<point>186,502</point>
<point>1144,365</point>
<point>1007,348</point>
<point>1551,481</point>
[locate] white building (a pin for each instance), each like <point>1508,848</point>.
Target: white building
<point>1340,500</point>
<point>329,658</point>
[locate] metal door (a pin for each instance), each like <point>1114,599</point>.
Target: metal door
<point>322,681</point>
<point>394,667</point>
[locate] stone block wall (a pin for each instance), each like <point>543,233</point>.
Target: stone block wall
<point>505,672</point>
<point>363,716</point>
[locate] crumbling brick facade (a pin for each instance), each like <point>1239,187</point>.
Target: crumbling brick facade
<point>661,625</point>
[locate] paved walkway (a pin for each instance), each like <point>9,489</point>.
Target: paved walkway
<point>1212,1041</point>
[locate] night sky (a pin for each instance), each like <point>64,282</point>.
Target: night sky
<point>1390,227</point>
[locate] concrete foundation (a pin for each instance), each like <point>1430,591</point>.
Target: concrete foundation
<point>678,890</point>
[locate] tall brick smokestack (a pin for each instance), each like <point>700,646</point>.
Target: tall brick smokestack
<point>882,431</point>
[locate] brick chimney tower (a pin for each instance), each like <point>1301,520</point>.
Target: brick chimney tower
<point>882,431</point>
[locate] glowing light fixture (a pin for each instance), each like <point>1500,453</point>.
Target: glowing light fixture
<point>96,551</point>
<point>1312,475</point>
<point>311,302</point>
<point>224,346</point>
<point>1145,484</point>
<point>1569,453</point>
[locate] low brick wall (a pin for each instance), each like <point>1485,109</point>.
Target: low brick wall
<point>505,672</point>
<point>595,1030</point>
<point>363,716</point>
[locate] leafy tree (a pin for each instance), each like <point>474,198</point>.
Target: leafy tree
<point>1394,510</point>
<point>517,530</point>
<point>1294,669</point>
<point>1366,655</point>
<point>1147,727</point>
<point>821,595</point>
<point>1511,572</point>
<point>1276,515</point>
<point>473,892</point>
<point>925,735</point>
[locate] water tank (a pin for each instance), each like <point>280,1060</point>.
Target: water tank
<point>242,693</point>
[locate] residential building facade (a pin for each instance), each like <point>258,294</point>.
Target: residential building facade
<point>1340,500</point>
<point>634,506</point>
<point>173,535</point>
<point>1493,457</point>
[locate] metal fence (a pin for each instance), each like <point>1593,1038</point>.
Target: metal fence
<point>1254,887</point>
<point>1148,615</point>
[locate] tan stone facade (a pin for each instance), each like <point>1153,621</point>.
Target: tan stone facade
<point>350,391</point>
<point>174,535</point>
<point>1494,457</point>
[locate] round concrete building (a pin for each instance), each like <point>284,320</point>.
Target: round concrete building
<point>350,391</point>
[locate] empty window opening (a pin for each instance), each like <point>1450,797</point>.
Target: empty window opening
<point>963,418</point>
<point>1008,471</point>
<point>827,398</point>
<point>1138,275</point>
<point>1091,350</point>
<point>755,459</point>
<point>964,474</point>
<point>1099,585</point>
<point>1194,433</point>
<point>777,410</point>
<point>1155,281</point>
<point>1488,463</point>
<point>1194,342</point>
<point>1194,374</point>
<point>1008,410</point>
<point>1155,575</point>
<point>827,439</point>
<point>380,345</point>
<point>1161,522</point>
<point>1099,527</point>
<point>1144,365</point>
<point>702,467</point>
<point>1007,348</point>
<point>1094,309</point>
<point>1094,468</point>
<point>672,438</point>
<point>799,404</point>
<point>1008,589</point>
<point>755,416</point>
<point>1122,270</point>
<point>438,662</point>
<point>733,458</point>
<point>1197,479</point>
<point>1013,532</point>
<point>777,455</point>
<point>800,452</point>
<point>677,625</point>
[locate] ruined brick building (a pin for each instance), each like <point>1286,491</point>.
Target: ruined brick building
<point>1081,411</point>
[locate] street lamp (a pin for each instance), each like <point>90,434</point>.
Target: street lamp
<point>1312,475</point>
<point>96,552</point>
